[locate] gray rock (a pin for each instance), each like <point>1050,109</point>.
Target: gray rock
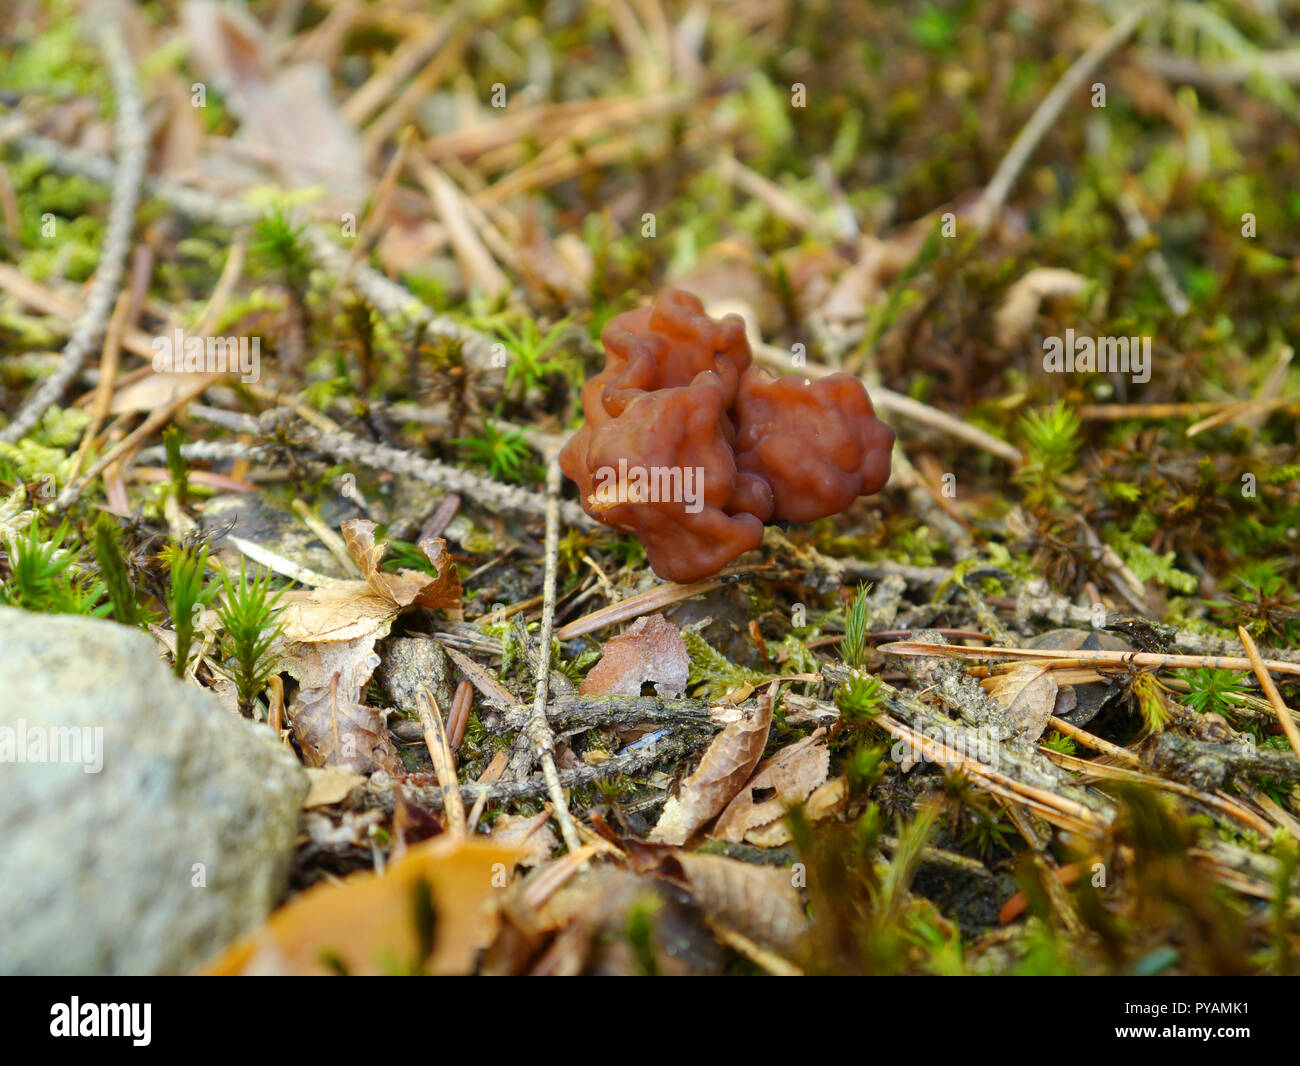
<point>164,829</point>
<point>408,662</point>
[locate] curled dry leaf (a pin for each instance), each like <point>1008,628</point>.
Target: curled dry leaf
<point>726,766</point>
<point>1028,693</point>
<point>757,811</point>
<point>531,835</point>
<point>368,924</point>
<point>350,609</point>
<point>1016,315</point>
<point>156,390</point>
<point>406,588</point>
<point>330,636</point>
<point>329,785</point>
<point>333,726</point>
<point>878,262</point>
<point>759,901</point>
<point>651,650</point>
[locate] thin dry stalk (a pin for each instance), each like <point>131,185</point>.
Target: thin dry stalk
<point>539,728</point>
<point>1046,116</point>
<point>444,762</point>
<point>1118,658</point>
<point>655,599</point>
<point>1261,668</point>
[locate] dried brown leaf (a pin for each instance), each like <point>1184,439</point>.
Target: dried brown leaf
<point>288,116</point>
<point>651,650</point>
<point>330,784</point>
<point>726,766</point>
<point>1016,315</point>
<point>351,609</point>
<point>784,780</point>
<point>332,725</point>
<point>406,588</point>
<point>156,390</point>
<point>531,835</point>
<point>826,800</point>
<point>1028,693</point>
<point>337,613</point>
<point>759,901</point>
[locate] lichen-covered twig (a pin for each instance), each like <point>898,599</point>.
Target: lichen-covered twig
<point>1019,768</point>
<point>539,729</point>
<point>348,448</point>
<point>668,751</point>
<point>132,147</point>
<point>208,451</point>
<point>574,714</point>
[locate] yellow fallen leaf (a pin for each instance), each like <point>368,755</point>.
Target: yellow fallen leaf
<point>368,924</point>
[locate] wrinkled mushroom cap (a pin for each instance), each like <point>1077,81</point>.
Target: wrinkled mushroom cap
<point>691,449</point>
<point>817,443</point>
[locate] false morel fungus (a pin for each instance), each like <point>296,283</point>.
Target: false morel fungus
<point>693,450</point>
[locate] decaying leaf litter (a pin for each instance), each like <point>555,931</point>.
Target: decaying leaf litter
<point>1013,715</point>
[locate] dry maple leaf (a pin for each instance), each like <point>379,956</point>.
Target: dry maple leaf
<point>726,766</point>
<point>330,636</point>
<point>651,650</point>
<point>787,778</point>
<point>431,912</point>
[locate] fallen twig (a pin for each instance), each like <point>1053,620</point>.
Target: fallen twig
<point>1261,669</point>
<point>1119,658</point>
<point>132,147</point>
<point>539,728</point>
<point>1044,118</point>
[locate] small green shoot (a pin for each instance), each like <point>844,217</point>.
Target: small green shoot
<point>1214,690</point>
<point>503,451</point>
<point>860,698</point>
<point>47,576</point>
<point>1060,743</point>
<point>1052,449</point>
<point>249,615</point>
<point>854,646</point>
<point>177,468</point>
<point>185,599</point>
<point>112,567</point>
